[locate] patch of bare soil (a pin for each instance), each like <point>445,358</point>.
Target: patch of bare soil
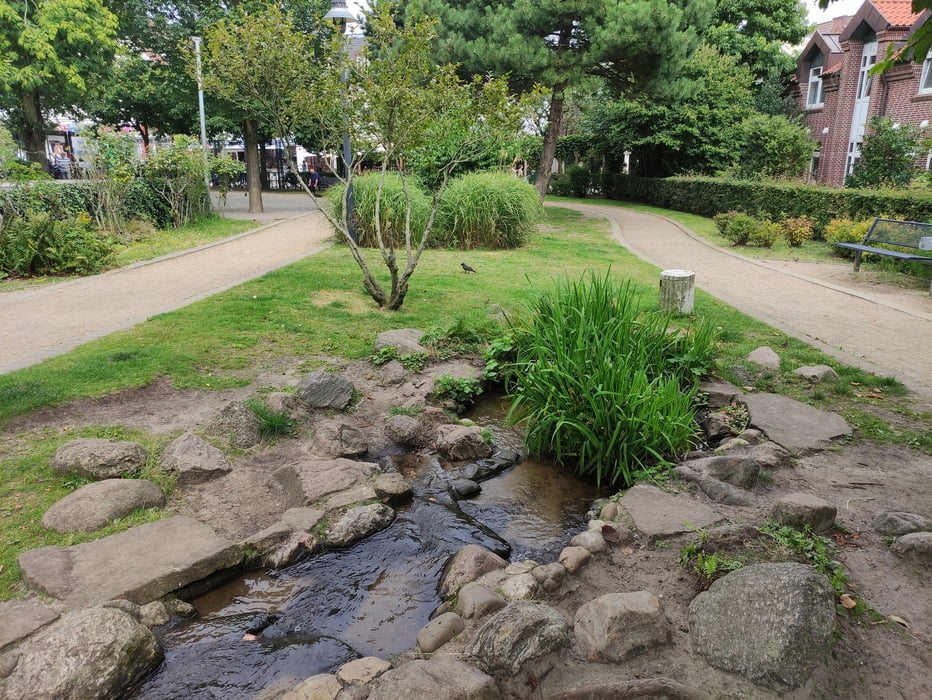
<point>873,656</point>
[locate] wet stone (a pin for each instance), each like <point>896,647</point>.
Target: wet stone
<point>475,600</point>
<point>324,686</point>
<point>439,631</point>
<point>468,564</point>
<point>363,670</point>
<point>392,488</point>
<point>520,567</point>
<point>464,488</point>
<point>520,587</point>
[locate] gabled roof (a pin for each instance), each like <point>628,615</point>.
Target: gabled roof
<point>879,15</point>
<point>899,13</point>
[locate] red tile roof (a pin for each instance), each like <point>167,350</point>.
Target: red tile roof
<point>899,13</point>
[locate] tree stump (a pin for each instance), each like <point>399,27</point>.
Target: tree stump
<point>677,290</point>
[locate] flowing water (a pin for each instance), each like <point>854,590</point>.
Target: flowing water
<point>372,598</point>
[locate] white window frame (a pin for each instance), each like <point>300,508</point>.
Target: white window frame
<point>925,80</point>
<point>814,94</point>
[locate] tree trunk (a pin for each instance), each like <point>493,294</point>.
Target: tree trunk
<point>554,124</point>
<point>34,130</point>
<point>251,148</point>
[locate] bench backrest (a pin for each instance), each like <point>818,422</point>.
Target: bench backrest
<point>910,234</point>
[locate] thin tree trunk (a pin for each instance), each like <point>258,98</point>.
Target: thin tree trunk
<point>251,149</point>
<point>34,127</point>
<point>554,124</point>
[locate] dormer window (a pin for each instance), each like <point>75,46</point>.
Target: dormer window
<point>814,94</point>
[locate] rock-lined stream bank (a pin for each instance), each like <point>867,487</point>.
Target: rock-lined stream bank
<point>281,503</point>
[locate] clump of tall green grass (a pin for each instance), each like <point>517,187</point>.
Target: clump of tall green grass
<point>393,208</point>
<point>487,210</point>
<point>601,384</point>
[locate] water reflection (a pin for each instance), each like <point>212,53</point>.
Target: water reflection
<point>370,599</point>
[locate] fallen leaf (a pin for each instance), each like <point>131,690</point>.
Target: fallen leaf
<point>610,534</point>
<point>848,602</point>
<point>628,551</point>
<point>748,388</point>
<point>898,620</point>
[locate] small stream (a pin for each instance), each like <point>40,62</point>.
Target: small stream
<point>372,598</point>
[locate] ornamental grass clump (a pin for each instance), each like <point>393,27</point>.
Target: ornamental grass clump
<point>487,210</point>
<point>604,386</point>
<point>393,208</point>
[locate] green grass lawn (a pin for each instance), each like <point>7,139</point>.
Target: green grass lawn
<point>317,307</point>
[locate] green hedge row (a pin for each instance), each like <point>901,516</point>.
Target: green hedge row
<point>66,200</point>
<point>708,196</point>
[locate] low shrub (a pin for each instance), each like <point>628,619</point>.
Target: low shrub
<point>393,208</point>
<point>845,231</point>
<point>739,228</point>
<point>38,243</point>
<point>575,181</point>
<point>601,385</point>
<point>766,234</point>
<point>723,219</point>
<point>487,210</point>
<point>797,230</point>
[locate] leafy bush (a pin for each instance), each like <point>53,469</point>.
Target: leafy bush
<point>39,244</point>
<point>723,219</point>
<point>575,181</point>
<point>888,155</point>
<point>845,231</point>
<point>393,208</point>
<point>797,230</point>
<point>176,174</point>
<point>773,146</point>
<point>740,228</point>
<point>602,385</point>
<point>766,234</point>
<point>463,391</point>
<point>487,210</point>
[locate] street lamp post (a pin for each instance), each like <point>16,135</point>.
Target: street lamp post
<point>339,14</point>
<point>200,103</point>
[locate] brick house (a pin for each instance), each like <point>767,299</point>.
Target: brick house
<point>839,96</point>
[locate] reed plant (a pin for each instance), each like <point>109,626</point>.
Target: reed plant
<point>487,210</point>
<point>601,384</point>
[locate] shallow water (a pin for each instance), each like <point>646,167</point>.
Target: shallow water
<point>370,599</point>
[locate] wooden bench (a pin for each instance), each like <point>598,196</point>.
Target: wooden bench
<point>914,235</point>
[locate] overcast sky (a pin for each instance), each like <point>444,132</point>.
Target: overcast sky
<point>835,9</point>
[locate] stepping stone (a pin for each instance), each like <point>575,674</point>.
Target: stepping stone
<point>140,564</point>
<point>796,426</point>
<point>658,514</point>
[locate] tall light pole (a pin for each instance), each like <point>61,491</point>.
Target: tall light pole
<point>339,14</point>
<point>200,103</point>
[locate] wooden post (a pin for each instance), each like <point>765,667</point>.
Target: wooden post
<point>677,290</point>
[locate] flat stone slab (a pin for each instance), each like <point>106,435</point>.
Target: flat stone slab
<point>20,618</point>
<point>659,514</point>
<point>140,564</point>
<point>793,425</point>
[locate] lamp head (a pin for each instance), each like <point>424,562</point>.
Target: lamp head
<point>339,14</point>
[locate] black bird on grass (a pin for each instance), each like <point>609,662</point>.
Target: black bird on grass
<point>466,268</point>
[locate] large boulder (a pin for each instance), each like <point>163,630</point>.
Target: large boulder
<point>358,523</point>
<point>325,390</point>
<point>98,458</point>
<point>94,505</point>
<point>772,623</point>
<point>305,483</point>
<point>468,564</point>
<point>461,443</point>
<point>440,677</point>
<point>407,341</point>
<point>193,461</point>
<point>238,424</point>
<point>90,653</point>
<point>617,626</point>
<point>175,551</point>
<point>335,439</point>
<point>516,634</point>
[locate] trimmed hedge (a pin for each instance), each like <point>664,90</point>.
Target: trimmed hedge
<point>708,196</point>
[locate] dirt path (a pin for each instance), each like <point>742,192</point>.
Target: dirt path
<point>882,329</point>
<point>45,321</point>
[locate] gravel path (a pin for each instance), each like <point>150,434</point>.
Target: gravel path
<point>878,327</point>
